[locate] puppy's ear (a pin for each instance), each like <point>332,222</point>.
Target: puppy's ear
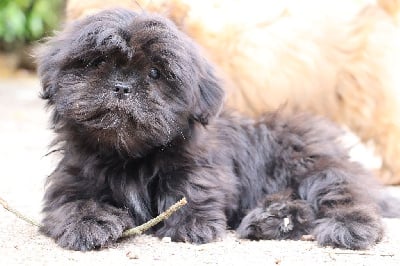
<point>211,96</point>
<point>47,60</point>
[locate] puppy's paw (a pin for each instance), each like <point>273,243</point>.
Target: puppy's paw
<point>349,228</point>
<point>277,219</point>
<point>92,228</point>
<point>91,232</point>
<point>197,233</point>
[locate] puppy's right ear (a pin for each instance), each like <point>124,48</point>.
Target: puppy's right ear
<point>47,60</point>
<point>211,95</point>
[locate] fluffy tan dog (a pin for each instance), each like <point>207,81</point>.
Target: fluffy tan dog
<point>335,58</point>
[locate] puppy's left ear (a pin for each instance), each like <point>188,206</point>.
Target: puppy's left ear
<point>47,60</point>
<point>211,96</point>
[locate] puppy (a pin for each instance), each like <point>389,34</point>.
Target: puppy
<point>138,114</point>
<point>337,58</point>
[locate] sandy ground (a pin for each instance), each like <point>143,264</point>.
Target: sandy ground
<point>24,139</point>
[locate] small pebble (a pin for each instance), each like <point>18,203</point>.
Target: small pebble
<point>307,238</point>
<point>132,256</point>
<point>166,239</point>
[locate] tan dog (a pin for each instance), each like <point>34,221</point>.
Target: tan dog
<point>335,58</point>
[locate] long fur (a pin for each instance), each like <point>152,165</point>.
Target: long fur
<point>138,113</point>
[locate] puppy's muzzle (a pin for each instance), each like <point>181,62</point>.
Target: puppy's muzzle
<point>122,90</point>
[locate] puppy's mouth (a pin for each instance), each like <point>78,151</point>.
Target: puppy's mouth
<point>105,112</point>
<point>108,119</point>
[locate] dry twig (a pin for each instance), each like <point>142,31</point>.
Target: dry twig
<point>362,253</point>
<point>17,213</point>
<point>130,232</point>
<point>163,216</point>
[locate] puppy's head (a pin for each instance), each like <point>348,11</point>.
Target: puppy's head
<point>127,81</point>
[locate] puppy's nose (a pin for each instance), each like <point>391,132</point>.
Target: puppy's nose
<point>122,89</point>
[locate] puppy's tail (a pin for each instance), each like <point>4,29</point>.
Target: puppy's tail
<point>389,205</point>
<point>392,7</point>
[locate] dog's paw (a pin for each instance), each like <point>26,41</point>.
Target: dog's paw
<point>91,233</point>
<point>349,228</point>
<point>197,233</point>
<point>281,219</point>
<point>94,227</point>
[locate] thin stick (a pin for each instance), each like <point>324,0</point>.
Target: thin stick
<point>363,253</point>
<point>130,232</point>
<point>163,216</point>
<point>17,213</point>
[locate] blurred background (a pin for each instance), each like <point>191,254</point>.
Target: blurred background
<point>22,24</point>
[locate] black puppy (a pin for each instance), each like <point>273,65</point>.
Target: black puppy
<point>138,115</point>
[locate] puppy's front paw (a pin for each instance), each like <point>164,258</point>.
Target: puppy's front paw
<point>93,227</point>
<point>196,232</point>
<point>282,219</point>
<point>91,232</point>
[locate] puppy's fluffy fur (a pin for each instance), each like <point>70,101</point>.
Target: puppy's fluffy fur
<point>337,58</point>
<point>138,114</point>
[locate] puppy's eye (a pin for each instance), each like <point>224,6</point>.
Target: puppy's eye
<point>154,73</point>
<point>96,62</point>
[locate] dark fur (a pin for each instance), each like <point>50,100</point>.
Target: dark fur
<point>134,143</point>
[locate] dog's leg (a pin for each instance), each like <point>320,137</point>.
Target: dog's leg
<point>203,219</point>
<point>278,216</point>
<point>79,221</point>
<point>347,218</point>
<point>307,157</point>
